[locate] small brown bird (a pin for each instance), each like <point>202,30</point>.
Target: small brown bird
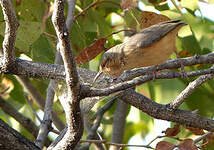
<point>151,46</point>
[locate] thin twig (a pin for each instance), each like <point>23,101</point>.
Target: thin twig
<point>157,137</point>
<point>115,144</point>
<point>99,115</point>
<point>140,80</point>
<point>189,90</point>
<point>203,137</point>
<point>38,99</point>
<point>94,4</point>
<point>31,106</point>
<point>129,30</point>
<point>50,35</point>
<point>27,123</point>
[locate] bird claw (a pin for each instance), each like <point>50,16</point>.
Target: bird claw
<point>154,73</point>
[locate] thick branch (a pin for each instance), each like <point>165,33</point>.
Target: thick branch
<point>24,121</point>
<point>53,71</point>
<point>118,125</point>
<point>47,119</point>
<point>164,112</point>
<point>72,103</point>
<point>10,32</point>
<point>11,139</point>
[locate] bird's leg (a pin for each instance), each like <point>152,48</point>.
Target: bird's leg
<point>184,74</point>
<point>154,72</point>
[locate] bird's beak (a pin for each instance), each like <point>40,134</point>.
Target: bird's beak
<point>97,76</point>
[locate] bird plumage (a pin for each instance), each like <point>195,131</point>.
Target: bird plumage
<point>151,46</point>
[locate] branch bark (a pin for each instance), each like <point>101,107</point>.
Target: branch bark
<point>119,123</point>
<point>38,99</point>
<point>164,112</point>
<point>27,123</point>
<point>53,71</point>
<point>11,139</point>
<point>72,103</point>
<point>189,90</point>
<point>11,26</point>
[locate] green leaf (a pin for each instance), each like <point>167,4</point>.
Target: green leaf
<point>206,43</point>
<point>77,36</point>
<point>132,18</point>
<point>17,93</point>
<point>41,85</point>
<point>28,33</point>
<point>103,26</point>
<point>167,90</point>
<point>42,50</point>
<point>162,7</point>
<point>191,4</point>
<point>190,44</point>
<point>31,10</point>
<point>202,97</point>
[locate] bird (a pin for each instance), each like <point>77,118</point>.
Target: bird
<point>150,46</point>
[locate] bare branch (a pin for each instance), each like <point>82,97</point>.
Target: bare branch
<point>45,126</point>
<point>38,99</point>
<point>119,122</point>
<point>164,112</point>
<point>11,139</point>
<point>31,106</point>
<point>170,64</point>
<point>70,15</point>
<point>10,32</point>
<point>115,144</point>
<point>72,103</point>
<point>140,80</point>
<point>47,119</point>
<point>92,129</point>
<point>24,121</point>
<point>204,136</point>
<point>189,90</point>
<point>53,71</point>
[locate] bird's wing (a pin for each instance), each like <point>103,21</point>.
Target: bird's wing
<point>152,34</point>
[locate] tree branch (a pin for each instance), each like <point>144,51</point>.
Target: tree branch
<point>38,99</point>
<point>24,121</point>
<point>10,32</point>
<point>45,126</point>
<point>47,119</point>
<point>72,103</point>
<point>164,112</point>
<point>189,90</point>
<point>53,71</point>
<point>11,139</point>
<point>140,80</point>
<point>119,123</point>
<point>170,64</point>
